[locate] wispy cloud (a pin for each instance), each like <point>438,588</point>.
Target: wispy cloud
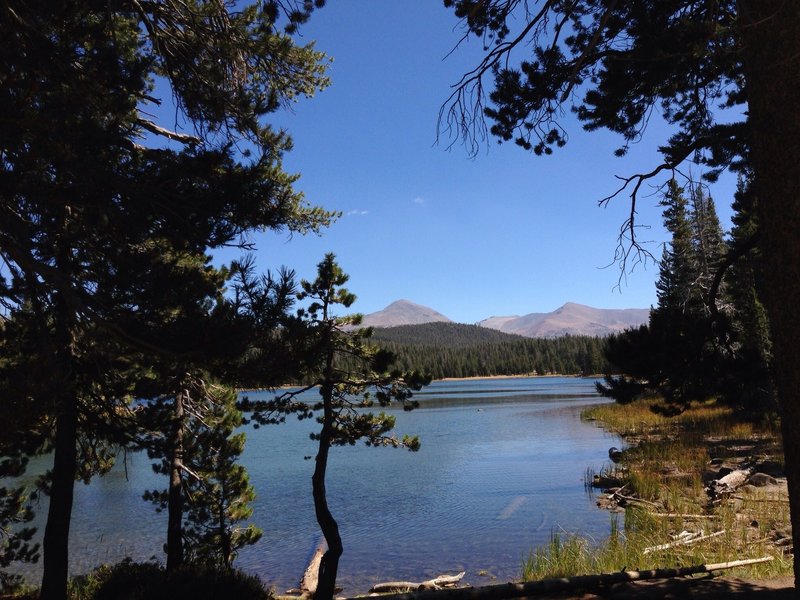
<point>357,212</point>
<point>420,201</point>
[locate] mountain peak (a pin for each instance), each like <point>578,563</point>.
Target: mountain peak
<point>570,319</point>
<point>403,312</point>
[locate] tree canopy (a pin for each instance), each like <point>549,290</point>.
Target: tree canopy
<point>724,76</point>
<point>613,65</point>
<point>110,211</point>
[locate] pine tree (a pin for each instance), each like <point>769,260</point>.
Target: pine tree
<point>347,390</point>
<point>678,272</point>
<point>209,493</point>
<point>709,243</point>
<point>749,383</point>
<point>680,354</point>
<point>615,64</point>
<point>108,215</point>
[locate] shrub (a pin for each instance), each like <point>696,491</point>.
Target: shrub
<point>149,581</point>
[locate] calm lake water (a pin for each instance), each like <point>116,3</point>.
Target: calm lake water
<point>501,466</point>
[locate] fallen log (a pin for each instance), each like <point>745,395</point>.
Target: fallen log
<point>682,516</point>
<point>548,586</point>
<point>683,541</point>
<point>628,499</point>
<point>442,581</point>
<point>730,483</point>
<point>308,583</point>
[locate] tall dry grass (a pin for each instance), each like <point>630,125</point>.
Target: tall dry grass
<point>664,467</point>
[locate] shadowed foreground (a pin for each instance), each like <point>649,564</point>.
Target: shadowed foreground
<point>706,588</point>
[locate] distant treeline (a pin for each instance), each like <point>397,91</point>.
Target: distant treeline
<point>455,350</point>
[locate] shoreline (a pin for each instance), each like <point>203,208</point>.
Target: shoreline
<point>520,376</point>
<point>288,386</point>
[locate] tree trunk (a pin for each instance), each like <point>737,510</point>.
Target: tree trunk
<point>55,570</point>
<point>59,513</point>
<point>329,565</point>
<point>771,36</point>
<point>175,499</point>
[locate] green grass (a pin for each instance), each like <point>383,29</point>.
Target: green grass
<point>664,469</point>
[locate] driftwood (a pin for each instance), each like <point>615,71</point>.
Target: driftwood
<point>308,583</point>
<point>548,586</point>
<point>730,483</point>
<point>681,516</point>
<point>442,581</point>
<point>617,496</point>
<point>685,539</point>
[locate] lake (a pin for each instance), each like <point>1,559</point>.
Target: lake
<point>501,466</point>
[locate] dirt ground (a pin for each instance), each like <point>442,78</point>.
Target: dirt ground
<point>705,588</point>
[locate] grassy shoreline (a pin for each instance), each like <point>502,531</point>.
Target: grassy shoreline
<point>658,490</point>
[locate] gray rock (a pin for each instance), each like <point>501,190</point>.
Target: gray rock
<point>762,480</point>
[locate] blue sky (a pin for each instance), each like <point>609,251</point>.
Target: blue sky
<point>503,233</point>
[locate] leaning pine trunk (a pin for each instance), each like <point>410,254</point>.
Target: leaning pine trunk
<point>771,37</point>
<point>329,565</point>
<point>175,499</point>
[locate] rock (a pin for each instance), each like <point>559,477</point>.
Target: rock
<point>770,467</point>
<point>605,481</point>
<point>762,480</point>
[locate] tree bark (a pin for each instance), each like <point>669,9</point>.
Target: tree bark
<point>55,570</point>
<point>329,565</point>
<point>59,513</point>
<point>175,497</point>
<point>771,37</point>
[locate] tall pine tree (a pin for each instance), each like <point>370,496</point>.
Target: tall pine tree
<point>108,214</point>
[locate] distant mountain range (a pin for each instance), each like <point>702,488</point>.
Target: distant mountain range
<point>570,319</point>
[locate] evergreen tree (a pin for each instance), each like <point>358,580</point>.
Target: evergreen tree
<point>678,269</point>
<point>347,391</point>
<point>15,536</point>
<point>710,246</point>
<point>209,492</point>
<point>680,354</point>
<point>614,64</point>
<point>749,382</point>
<point>103,238</point>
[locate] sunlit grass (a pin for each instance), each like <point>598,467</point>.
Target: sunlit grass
<point>663,469</point>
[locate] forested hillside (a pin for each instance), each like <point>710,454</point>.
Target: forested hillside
<point>455,350</point>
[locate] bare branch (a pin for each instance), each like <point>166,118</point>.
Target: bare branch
<point>172,135</point>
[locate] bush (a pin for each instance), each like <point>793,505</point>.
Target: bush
<point>149,581</point>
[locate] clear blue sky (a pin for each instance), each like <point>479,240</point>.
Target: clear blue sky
<point>504,233</point>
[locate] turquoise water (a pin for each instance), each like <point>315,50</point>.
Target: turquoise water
<point>501,466</point>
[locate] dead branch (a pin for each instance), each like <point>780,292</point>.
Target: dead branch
<point>681,516</point>
<point>455,111</point>
<point>172,135</point>
<point>440,582</point>
<point>685,540</point>
<point>617,495</point>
